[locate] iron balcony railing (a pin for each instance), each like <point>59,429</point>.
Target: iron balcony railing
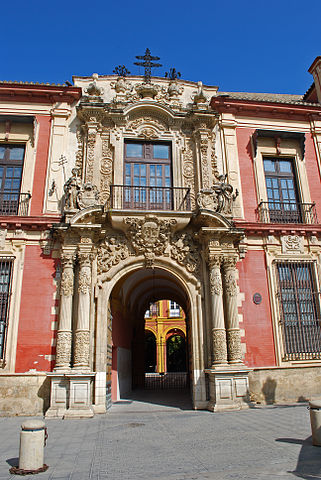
<point>14,203</point>
<point>125,197</point>
<point>287,212</point>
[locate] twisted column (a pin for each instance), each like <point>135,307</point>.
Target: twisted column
<point>64,334</point>
<point>232,321</point>
<point>82,334</point>
<point>218,328</point>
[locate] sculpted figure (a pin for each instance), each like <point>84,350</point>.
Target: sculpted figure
<point>71,188</point>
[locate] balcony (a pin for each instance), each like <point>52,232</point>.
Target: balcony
<point>287,212</point>
<point>14,204</point>
<point>125,197</point>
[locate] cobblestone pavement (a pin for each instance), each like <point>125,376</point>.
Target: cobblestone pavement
<point>163,438</point>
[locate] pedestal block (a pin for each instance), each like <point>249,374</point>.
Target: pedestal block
<point>71,395</point>
<point>229,389</point>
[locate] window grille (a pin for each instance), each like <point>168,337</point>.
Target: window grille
<point>5,292</point>
<point>299,310</point>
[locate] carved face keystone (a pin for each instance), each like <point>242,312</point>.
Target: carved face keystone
<point>150,231</point>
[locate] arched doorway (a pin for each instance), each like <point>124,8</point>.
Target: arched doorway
<point>176,352</point>
<point>129,299</point>
<point>150,352</point>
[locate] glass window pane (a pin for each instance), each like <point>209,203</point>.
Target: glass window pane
<point>17,172</point>
<point>161,151</point>
<point>2,150</point>
<point>134,150</point>
<point>269,165</point>
<point>285,166</point>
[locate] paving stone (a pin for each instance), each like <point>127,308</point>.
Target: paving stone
<point>145,439</point>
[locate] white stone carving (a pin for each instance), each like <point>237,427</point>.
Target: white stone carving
<point>186,252</point>
<point>292,244</point>
<point>149,236</point>
<point>111,252</point>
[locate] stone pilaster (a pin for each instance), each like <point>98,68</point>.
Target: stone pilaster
<point>82,334</point>
<point>232,322</point>
<point>64,334</point>
<point>218,327</point>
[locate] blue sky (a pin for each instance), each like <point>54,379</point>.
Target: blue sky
<point>253,46</point>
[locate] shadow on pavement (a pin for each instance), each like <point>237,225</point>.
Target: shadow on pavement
<point>13,462</point>
<point>165,398</point>
<point>309,460</point>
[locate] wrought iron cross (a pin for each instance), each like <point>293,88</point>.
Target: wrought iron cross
<point>147,64</point>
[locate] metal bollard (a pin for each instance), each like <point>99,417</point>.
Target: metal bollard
<point>33,438</point>
<point>315,418</point>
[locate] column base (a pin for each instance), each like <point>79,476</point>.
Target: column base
<point>71,395</point>
<point>229,388</point>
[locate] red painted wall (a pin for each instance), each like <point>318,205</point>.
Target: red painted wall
<point>121,337</point>
<point>313,173</point>
<point>34,333</point>
<point>256,318</point>
<point>250,199</point>
<point>38,191</point>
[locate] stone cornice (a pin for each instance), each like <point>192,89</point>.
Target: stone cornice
<point>39,93</point>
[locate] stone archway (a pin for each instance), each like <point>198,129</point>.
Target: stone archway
<point>128,298</point>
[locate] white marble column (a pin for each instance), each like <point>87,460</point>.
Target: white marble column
<point>219,348</point>
<point>64,334</point>
<point>82,335</point>
<point>232,321</point>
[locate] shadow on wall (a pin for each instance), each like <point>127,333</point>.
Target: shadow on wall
<point>44,394</point>
<point>309,462</point>
<point>268,390</point>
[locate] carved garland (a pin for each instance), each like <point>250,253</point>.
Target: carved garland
<point>188,171</point>
<point>91,140</point>
<point>106,168</point>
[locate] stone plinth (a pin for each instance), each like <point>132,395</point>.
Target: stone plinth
<point>71,395</point>
<point>229,389</point>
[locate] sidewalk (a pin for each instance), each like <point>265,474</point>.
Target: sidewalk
<point>151,440</point>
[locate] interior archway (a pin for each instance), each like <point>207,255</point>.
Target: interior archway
<point>131,296</point>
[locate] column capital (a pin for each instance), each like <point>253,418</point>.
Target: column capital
<point>230,261</point>
<point>85,258</point>
<point>67,259</point>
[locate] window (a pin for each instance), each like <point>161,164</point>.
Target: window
<point>5,284</point>
<point>281,190</point>
<point>174,310</point>
<point>299,310</point>
<point>147,177</point>
<point>11,165</point>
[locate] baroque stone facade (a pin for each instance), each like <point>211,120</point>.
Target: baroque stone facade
<point>158,189</point>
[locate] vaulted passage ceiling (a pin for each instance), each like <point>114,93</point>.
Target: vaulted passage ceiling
<point>138,289</point>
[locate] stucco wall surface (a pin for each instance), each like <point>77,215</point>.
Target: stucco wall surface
<point>285,385</point>
<point>24,394</point>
